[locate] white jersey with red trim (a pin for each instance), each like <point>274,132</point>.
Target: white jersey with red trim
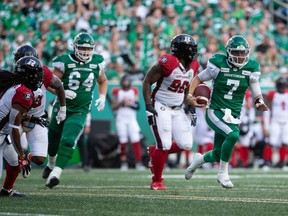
<point>18,94</point>
<point>170,89</point>
<point>279,106</point>
<point>38,107</point>
<point>129,96</point>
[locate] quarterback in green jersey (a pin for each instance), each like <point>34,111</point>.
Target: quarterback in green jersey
<point>232,74</point>
<point>79,73</point>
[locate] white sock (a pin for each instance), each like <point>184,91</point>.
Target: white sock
<point>56,172</point>
<point>51,162</point>
<point>223,168</point>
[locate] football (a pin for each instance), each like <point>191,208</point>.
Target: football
<point>203,91</point>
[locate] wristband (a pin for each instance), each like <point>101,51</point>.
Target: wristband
<point>259,100</point>
<point>63,108</point>
<point>102,96</point>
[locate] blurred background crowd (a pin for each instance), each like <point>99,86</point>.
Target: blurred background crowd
<point>132,34</point>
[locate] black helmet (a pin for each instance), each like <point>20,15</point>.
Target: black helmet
<point>281,84</point>
<point>184,46</point>
<point>125,82</point>
<point>29,70</point>
<point>25,50</point>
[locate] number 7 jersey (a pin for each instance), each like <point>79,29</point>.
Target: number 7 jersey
<point>230,83</point>
<point>81,78</point>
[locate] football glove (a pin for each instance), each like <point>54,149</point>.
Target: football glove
<point>43,122</point>
<point>70,94</point>
<point>24,166</point>
<point>100,102</point>
<point>61,116</point>
<point>151,113</point>
<point>193,116</point>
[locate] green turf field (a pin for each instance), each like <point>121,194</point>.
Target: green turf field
<point>114,192</point>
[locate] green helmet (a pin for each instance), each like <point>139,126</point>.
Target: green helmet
<point>237,50</point>
<point>84,46</point>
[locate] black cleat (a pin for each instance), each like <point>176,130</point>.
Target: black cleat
<point>46,172</point>
<point>12,193</point>
<point>53,182</point>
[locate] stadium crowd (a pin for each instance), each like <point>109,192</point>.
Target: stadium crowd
<point>131,35</point>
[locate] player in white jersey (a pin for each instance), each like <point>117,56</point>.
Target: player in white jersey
<point>247,118</point>
<point>125,104</point>
<point>172,75</point>
<point>275,121</point>
<point>35,121</point>
<point>16,97</point>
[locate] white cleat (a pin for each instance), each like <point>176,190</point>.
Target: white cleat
<point>225,181</point>
<point>196,163</point>
<point>54,178</point>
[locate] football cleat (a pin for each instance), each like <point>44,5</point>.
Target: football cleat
<point>196,163</point>
<point>52,182</point>
<point>46,172</point>
<point>157,185</point>
<point>225,181</point>
<point>11,193</point>
<point>150,151</point>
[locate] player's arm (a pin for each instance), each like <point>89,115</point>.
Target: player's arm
<point>102,83</point>
<point>102,90</point>
<point>154,74</point>
<point>211,72</point>
<point>256,92</point>
<point>57,86</point>
<point>115,104</point>
<point>15,119</point>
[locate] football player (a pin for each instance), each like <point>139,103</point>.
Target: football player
<point>275,122</point>
<point>172,75</point>
<point>16,98</point>
<point>125,104</point>
<point>232,74</point>
<point>79,73</point>
<point>34,123</point>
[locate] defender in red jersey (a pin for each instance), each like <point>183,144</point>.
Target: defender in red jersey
<point>164,105</point>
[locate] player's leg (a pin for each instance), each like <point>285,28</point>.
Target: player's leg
<point>54,136</point>
<point>12,171</point>
<point>72,130</point>
<point>122,132</point>
<point>162,130</point>
<point>231,134</point>
<point>38,141</point>
<point>134,136</point>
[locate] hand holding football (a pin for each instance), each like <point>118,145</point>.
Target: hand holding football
<point>203,91</point>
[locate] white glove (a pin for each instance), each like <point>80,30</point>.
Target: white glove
<point>70,94</point>
<point>61,116</point>
<point>100,102</point>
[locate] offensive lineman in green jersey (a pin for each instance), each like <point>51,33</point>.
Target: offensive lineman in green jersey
<point>232,74</point>
<point>79,73</point>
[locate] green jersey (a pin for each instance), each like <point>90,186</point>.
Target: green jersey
<point>230,83</point>
<point>81,78</point>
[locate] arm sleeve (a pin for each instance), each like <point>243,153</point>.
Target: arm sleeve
<point>254,84</point>
<point>211,72</point>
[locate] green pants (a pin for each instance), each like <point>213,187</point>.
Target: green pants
<point>226,136</point>
<point>63,137</point>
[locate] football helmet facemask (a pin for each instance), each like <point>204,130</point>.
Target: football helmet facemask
<point>184,46</point>
<point>25,50</point>
<point>29,70</point>
<point>125,83</point>
<point>83,45</point>
<point>281,84</point>
<point>237,50</point>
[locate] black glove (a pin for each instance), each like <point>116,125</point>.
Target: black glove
<point>43,122</point>
<point>24,166</point>
<point>193,116</point>
<point>151,113</point>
